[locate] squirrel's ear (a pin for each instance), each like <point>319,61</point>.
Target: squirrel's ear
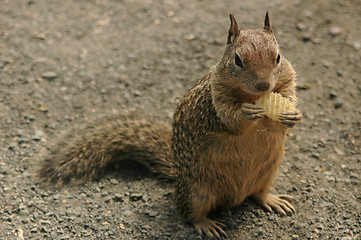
<point>233,31</point>
<point>267,24</point>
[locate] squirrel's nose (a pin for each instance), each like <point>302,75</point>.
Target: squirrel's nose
<point>263,86</point>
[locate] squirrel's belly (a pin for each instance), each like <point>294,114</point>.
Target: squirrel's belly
<point>262,163</point>
<point>253,163</point>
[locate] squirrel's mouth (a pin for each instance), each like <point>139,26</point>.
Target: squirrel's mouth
<point>256,91</point>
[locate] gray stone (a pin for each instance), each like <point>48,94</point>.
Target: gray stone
<point>49,75</point>
<point>151,213</point>
<point>127,213</point>
<point>118,197</point>
<point>135,197</point>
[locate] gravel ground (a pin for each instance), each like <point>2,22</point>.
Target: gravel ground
<point>64,62</point>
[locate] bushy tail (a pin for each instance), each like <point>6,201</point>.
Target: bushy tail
<point>83,153</point>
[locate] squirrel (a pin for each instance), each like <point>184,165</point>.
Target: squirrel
<point>220,148</point>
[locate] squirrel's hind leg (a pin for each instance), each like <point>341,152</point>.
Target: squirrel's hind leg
<point>200,202</point>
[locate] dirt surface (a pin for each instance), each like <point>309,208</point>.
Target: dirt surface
<point>64,62</point>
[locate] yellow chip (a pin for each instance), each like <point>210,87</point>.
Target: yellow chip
<point>274,105</point>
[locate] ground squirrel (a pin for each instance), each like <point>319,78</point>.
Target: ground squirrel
<point>220,149</point>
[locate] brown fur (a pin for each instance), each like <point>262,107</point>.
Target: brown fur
<point>223,157</point>
<point>84,152</point>
<point>216,153</point>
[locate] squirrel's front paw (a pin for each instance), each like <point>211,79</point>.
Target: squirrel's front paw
<point>290,118</point>
<point>252,112</point>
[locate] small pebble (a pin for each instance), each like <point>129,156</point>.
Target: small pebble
<point>326,63</point>
<point>44,107</point>
<point>135,197</point>
<point>127,213</point>
<point>49,75</point>
<point>349,222</point>
<point>151,213</point>
<point>316,40</point>
<point>22,140</point>
<point>77,211</point>
<point>326,205</point>
<point>114,181</point>
<point>12,146</point>
<point>339,152</point>
<point>332,95</point>
<point>346,238</point>
<point>315,230</point>
<point>69,212</point>
<point>147,227</point>
<point>357,45</point>
<point>306,36</point>
<point>295,237</point>
<point>137,93</point>
<point>96,195</point>
<point>338,103</point>
<point>335,31</point>
<point>301,26</point>
<point>19,132</point>
<point>36,137</point>
<point>118,197</point>
<point>259,223</point>
<point>25,220</point>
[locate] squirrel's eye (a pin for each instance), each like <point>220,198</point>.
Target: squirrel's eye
<point>278,59</point>
<point>238,61</point>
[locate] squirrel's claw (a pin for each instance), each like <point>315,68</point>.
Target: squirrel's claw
<point>279,203</point>
<point>252,111</point>
<point>211,229</point>
<point>290,118</point>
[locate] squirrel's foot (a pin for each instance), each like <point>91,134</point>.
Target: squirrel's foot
<point>290,118</point>
<point>279,203</point>
<point>211,229</point>
<point>252,111</point>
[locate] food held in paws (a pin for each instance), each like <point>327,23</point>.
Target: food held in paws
<point>274,105</point>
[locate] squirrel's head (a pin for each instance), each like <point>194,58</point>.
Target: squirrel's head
<point>251,58</point>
